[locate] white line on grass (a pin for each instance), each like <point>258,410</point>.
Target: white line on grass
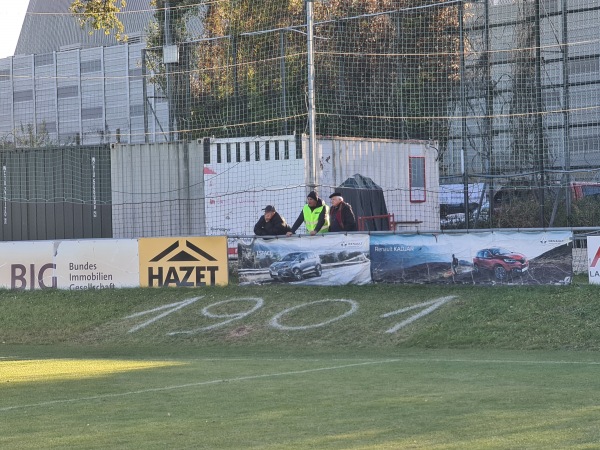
<point>200,383</point>
<point>281,374</point>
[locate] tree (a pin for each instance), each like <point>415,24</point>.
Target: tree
<point>100,15</point>
<point>384,68</point>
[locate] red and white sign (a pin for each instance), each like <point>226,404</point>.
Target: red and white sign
<point>593,248</point>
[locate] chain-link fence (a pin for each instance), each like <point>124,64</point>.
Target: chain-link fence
<point>504,95</point>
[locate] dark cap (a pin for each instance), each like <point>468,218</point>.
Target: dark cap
<point>313,195</point>
<point>269,208</point>
<point>336,194</point>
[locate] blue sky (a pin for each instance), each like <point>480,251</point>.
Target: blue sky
<point>11,20</point>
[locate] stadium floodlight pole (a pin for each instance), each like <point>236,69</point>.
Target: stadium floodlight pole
<point>311,96</point>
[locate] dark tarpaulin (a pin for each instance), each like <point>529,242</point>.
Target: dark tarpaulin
<point>366,199</point>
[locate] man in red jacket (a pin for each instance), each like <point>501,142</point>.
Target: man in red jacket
<point>341,216</point>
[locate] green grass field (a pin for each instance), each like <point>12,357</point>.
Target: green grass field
<point>370,367</point>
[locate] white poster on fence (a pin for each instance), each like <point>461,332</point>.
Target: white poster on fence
<point>325,260</point>
<point>593,248</point>
<point>27,265</point>
<point>97,264</point>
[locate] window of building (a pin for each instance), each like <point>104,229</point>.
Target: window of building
<point>581,66</point>
<point>219,158</point>
<point>238,152</point>
<point>206,148</point>
<point>581,145</point>
<point>257,151</point>
<point>43,60</point>
<point>267,151</point>
<point>276,150</point>
<point>247,151</point>
<point>136,110</point>
<point>23,96</point>
<point>135,74</point>
<point>228,146</point>
<point>91,66</point>
<point>552,99</point>
<point>48,127</point>
<point>68,91</point>
<point>69,138</point>
<point>548,7</point>
<point>92,113</point>
<point>298,147</point>
<point>416,168</point>
<point>4,75</point>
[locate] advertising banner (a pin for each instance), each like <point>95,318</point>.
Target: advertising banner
<point>184,261</point>
<point>474,258</point>
<point>593,249</point>
<point>326,260</point>
<point>27,265</point>
<point>97,264</point>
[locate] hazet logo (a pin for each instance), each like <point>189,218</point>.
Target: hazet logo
<point>182,264</point>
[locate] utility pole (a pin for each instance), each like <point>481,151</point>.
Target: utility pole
<point>311,96</point>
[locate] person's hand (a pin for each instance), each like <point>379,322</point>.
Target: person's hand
<point>289,233</point>
<point>313,232</point>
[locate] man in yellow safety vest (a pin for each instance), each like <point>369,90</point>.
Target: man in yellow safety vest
<point>315,216</point>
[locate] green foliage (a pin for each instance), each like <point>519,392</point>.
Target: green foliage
<point>526,212</point>
<point>372,78</point>
<point>100,15</point>
<point>586,212</point>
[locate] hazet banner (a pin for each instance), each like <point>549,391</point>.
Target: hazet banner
<point>183,261</point>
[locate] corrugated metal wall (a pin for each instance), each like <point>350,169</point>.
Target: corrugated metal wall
<point>158,190</point>
<point>55,193</point>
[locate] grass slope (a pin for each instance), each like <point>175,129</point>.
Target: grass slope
<point>544,317</point>
<point>153,369</point>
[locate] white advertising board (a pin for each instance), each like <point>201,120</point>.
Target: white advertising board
<point>74,265</point>
<point>97,264</point>
<point>593,248</point>
<point>27,265</point>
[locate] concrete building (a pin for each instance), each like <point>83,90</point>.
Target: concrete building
<point>66,86</point>
<point>542,99</point>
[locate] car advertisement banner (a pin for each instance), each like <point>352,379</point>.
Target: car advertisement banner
<point>473,258</point>
<point>326,260</point>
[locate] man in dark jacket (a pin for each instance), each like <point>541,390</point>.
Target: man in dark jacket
<point>271,223</point>
<point>341,216</point>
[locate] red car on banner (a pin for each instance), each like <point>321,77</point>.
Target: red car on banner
<point>500,261</point>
